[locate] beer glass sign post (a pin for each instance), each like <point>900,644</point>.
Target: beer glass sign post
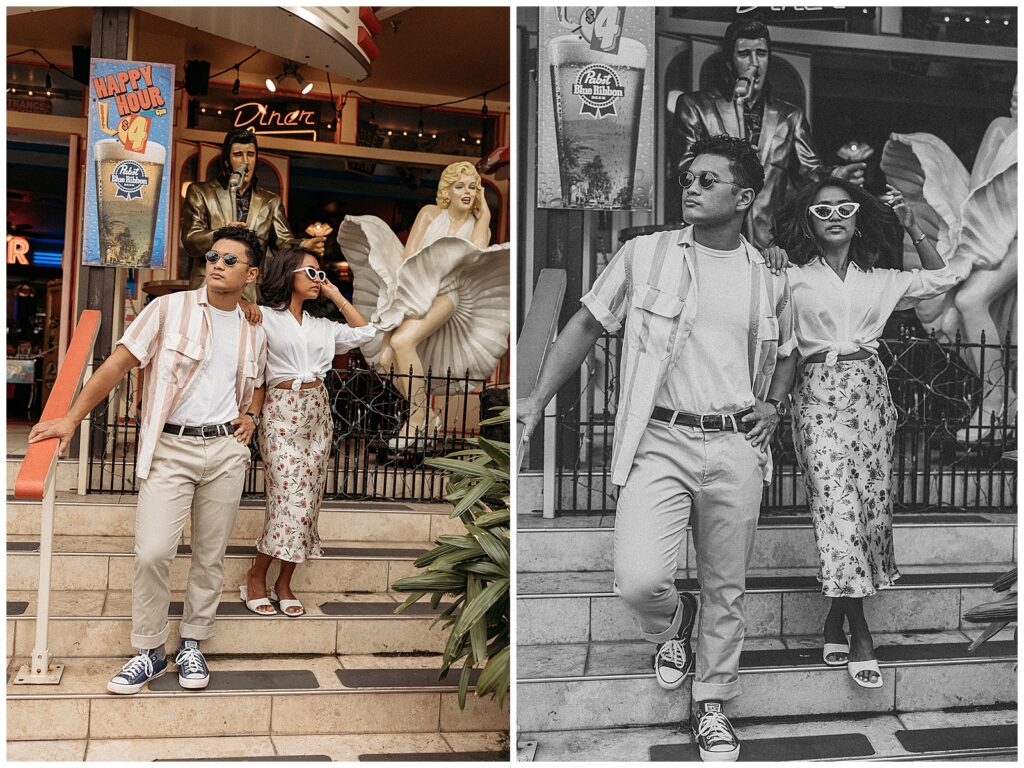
<point>126,205</point>
<point>596,123</point>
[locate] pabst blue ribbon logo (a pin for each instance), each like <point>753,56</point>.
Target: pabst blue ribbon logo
<point>129,177</point>
<point>598,88</point>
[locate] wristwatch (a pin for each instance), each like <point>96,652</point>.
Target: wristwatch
<point>255,418</point>
<point>780,407</point>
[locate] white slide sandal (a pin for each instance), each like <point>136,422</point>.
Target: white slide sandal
<point>286,604</point>
<point>871,665</point>
<point>259,602</point>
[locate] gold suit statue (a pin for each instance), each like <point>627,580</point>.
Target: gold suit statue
<point>235,198</point>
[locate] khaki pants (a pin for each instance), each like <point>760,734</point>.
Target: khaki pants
<point>204,474</point>
<point>718,477</point>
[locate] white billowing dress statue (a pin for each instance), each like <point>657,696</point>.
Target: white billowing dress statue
<point>973,219</point>
<point>388,289</point>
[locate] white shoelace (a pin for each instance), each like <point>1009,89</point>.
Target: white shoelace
<point>673,652</point>
<point>714,726</point>
<point>190,660</point>
<point>140,663</point>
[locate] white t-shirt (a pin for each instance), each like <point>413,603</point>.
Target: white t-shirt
<point>211,399</point>
<point>710,373</point>
<point>304,353</point>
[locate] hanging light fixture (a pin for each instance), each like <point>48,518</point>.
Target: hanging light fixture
<point>290,69</point>
<point>237,84</point>
<point>49,83</point>
<point>420,124</point>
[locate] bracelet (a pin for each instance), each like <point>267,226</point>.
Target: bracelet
<point>918,240</point>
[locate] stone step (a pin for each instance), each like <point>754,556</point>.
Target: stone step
<point>114,515</point>
<point>286,696</point>
<point>581,607</point>
<point>93,563</point>
<point>96,623</point>
<point>435,747</point>
<point>584,543</point>
<point>610,685</point>
<point>986,734</point>
<point>945,487</point>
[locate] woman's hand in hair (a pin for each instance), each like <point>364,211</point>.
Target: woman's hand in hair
<point>251,311</point>
<point>894,199</point>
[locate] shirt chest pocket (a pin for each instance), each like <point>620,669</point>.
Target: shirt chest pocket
<point>181,356</point>
<point>653,320</point>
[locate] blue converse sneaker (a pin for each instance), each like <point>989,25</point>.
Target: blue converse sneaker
<point>713,733</point>
<point>137,672</point>
<point>674,658</point>
<point>192,670</point>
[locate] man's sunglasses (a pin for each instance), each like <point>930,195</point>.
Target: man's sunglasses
<point>704,178</point>
<point>316,275</point>
<point>212,257</point>
<point>824,212</point>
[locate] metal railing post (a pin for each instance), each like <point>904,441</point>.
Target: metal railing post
<point>550,454</point>
<point>41,671</point>
<point>83,443</point>
<point>36,480</point>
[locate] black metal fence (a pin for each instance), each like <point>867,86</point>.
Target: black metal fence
<point>950,453</point>
<point>375,455</point>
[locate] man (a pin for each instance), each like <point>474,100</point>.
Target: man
<point>202,387</point>
<point>777,129</point>
<point>703,322</point>
<point>220,203</point>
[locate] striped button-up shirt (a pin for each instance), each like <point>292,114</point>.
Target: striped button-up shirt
<point>171,339</point>
<point>646,288</point>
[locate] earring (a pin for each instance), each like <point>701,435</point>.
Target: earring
<point>444,201</point>
<point>856,233</point>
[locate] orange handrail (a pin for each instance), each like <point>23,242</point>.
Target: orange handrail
<point>39,458</point>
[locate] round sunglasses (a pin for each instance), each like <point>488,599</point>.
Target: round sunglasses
<point>704,178</point>
<point>824,211</point>
<point>212,257</point>
<point>316,275</point>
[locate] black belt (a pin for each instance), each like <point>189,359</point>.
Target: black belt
<point>210,430</point>
<point>708,422</point>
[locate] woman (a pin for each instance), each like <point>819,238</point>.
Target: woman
<point>844,420</point>
<point>441,300</point>
<point>296,429</point>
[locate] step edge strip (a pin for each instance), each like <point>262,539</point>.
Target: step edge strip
<point>785,669</point>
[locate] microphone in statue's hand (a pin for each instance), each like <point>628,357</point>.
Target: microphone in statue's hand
<point>238,176</point>
<point>742,88</point>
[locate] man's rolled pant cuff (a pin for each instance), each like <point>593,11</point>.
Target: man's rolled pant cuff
<point>715,691</point>
<point>196,632</point>
<point>146,642</point>
<point>673,629</point>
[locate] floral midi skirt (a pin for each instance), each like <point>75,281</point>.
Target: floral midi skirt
<point>295,442</point>
<point>844,424</point>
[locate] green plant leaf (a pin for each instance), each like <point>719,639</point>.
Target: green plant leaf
<point>495,548</point>
<point>409,601</point>
<point>494,678</point>
<point>477,607</point>
<point>480,490</point>
<point>467,670</point>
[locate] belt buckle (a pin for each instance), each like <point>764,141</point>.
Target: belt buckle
<point>715,427</point>
<point>210,430</point>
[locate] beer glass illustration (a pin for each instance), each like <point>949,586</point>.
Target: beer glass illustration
<point>597,100</point>
<point>128,188</point>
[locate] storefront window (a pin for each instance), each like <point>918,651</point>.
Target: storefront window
<point>37,177</point>
<point>436,131</point>
<point>27,91</point>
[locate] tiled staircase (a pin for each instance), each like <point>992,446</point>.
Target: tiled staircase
<point>349,680</point>
<point>586,689</point>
